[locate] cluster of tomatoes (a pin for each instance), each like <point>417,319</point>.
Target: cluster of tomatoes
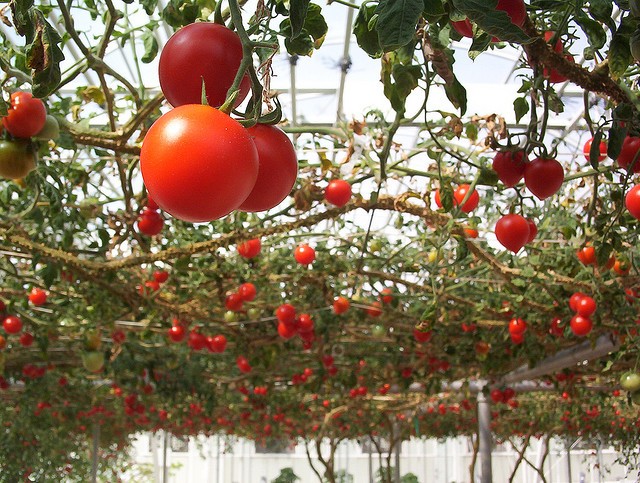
<point>196,340</point>
<point>198,163</point>
<point>291,324</point>
<point>150,221</point>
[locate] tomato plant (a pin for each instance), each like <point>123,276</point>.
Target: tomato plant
<point>26,117</point>
<point>199,53</point>
<point>198,163</point>
<point>458,197</point>
<point>515,9</point>
<point>629,154</point>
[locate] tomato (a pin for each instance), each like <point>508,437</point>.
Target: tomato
<point>338,192</point>
<point>556,328</point>
<point>602,149</point>
<point>585,306</point>
<point>422,336</point>
<point>3,342</point>
<point>305,323</point>
<point>118,336</point>
<point>509,166</point>
<point>497,396</point>
<point>176,333</point>
<point>26,339</point>
<point>150,222</point>
<point>517,326</point>
<point>196,340</point>
<point>277,171</point>
<point>286,313</point>
<point>587,255</point>
<point>482,348</point>
<point>533,231</point>
<point>286,331</point>
<point>574,299</point>
<point>340,305</point>
<point>250,249</point>
<point>17,159</point>
<point>160,276</point>
<point>304,254</point>
<point>622,267</point>
<point>234,302</point>
<point>217,343</point>
<point>374,309</point>
<point>580,325</point>
<point>50,130</point>
<point>93,361</point>
<point>470,232</point>
<point>629,154</point>
<point>630,381</point>
<point>557,47</point>
<point>386,295</point>
<point>512,231</point>
<point>198,164</point>
<point>197,53</point>
<point>632,201</point>
<point>515,9</point>
<point>247,291</point>
<point>543,177</point>
<point>508,393</point>
<point>148,288</point>
<point>243,364</point>
<point>458,196</point>
<point>12,324</point>
<point>37,296</point>
<point>26,117</point>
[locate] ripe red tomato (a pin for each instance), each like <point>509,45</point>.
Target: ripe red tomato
<point>632,201</point>
<point>580,325</point>
<point>509,166</point>
<point>150,222</point>
<point>533,231</point>
<point>574,299</point>
<point>587,255</point>
<point>286,313</point>
<point>37,296</point>
<point>176,333</point>
<point>243,364</point>
<point>217,343</point>
<point>556,328</point>
<point>543,177</point>
<point>471,232</point>
<point>458,196</point>
<point>585,306</point>
<point>602,149</point>
<point>374,309</point>
<point>338,192</point>
<point>160,276</point>
<point>196,340</point>
<point>250,249</point>
<point>277,171</point>
<point>622,267</point>
<point>629,154</point>
<point>508,393</point>
<point>198,163</point>
<point>247,291</point>
<point>515,9</point>
<point>118,336</point>
<point>197,53</point>
<point>517,326</point>
<point>497,396</point>
<point>286,331</point>
<point>512,231</point>
<point>305,323</point>
<point>26,116</point>
<point>234,302</point>
<point>26,339</point>
<point>12,324</point>
<point>304,254</point>
<point>340,305</point>
<point>422,336</point>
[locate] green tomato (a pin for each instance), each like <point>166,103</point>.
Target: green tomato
<point>253,313</point>
<point>93,361</point>
<point>375,245</point>
<point>230,316</point>
<point>630,381</point>
<point>378,331</point>
<point>50,130</point>
<point>17,159</point>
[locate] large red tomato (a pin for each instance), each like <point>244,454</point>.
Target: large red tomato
<point>198,164</point>
<point>509,166</point>
<point>201,52</point>
<point>630,151</point>
<point>512,231</point>
<point>515,9</point>
<point>543,177</point>
<point>278,168</point>
<point>632,201</point>
<point>26,116</point>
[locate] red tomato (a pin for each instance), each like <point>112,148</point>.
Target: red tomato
<point>533,231</point>
<point>26,116</point>
<point>338,192</point>
<point>512,231</point>
<point>517,326</point>
<point>557,47</point>
<point>509,166</point>
<point>198,163</point>
<point>621,267</point>
<point>197,53</point>
<point>586,306</point>
<point>176,333</point>
<point>497,396</point>
<point>150,222</point>
<point>12,324</point>
<point>196,341</point>
<point>471,232</point>
<point>515,9</point>
<point>508,393</point>
<point>556,328</point>
<point>152,205</point>
<point>305,323</point>
<point>574,299</point>
<point>422,336</point>
<point>243,364</point>
<point>543,177</point>
<point>250,249</point>
<point>37,296</point>
<point>587,255</point>
<point>277,171</point>
<point>161,276</point>
<point>304,254</point>
<point>217,343</point>
<point>118,336</point>
<point>286,313</point>
<point>247,291</point>
<point>340,305</point>
<point>286,331</point>
<point>580,325</point>
<point>234,302</point>
<point>458,196</point>
<point>632,201</point>
<point>26,339</point>
<point>374,309</point>
<point>602,149</point>
<point>629,154</point>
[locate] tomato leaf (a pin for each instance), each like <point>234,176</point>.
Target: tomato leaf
<point>495,22</point>
<point>602,11</point>
<point>312,35</point>
<point>43,55</point>
<point>178,13</point>
<point>397,20</point>
<point>297,15</point>
<point>150,46</point>
<point>433,10</point>
<point>20,9</point>
<point>594,31</point>
<point>594,150</point>
<point>520,107</point>
<point>399,80</point>
<point>365,31</point>
<point>619,55</point>
<point>616,138</point>
<point>457,94</point>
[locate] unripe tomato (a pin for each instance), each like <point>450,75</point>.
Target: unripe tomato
<point>630,381</point>
<point>199,53</point>
<point>277,170</point>
<point>338,192</point>
<point>26,116</point>
<point>17,159</point>
<point>304,254</point>
<point>250,248</point>
<point>198,163</point>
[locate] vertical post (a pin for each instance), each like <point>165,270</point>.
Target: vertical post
<point>94,455</point>
<point>370,461</point>
<point>396,470</point>
<point>293,60</point>
<point>484,433</point>
<point>569,460</point>
<point>218,458</point>
<point>165,469</point>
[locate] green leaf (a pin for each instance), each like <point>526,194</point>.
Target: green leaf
<point>20,9</point>
<point>616,138</point>
<point>366,34</point>
<point>520,107</point>
<point>398,80</point>
<point>149,6</point>
<point>495,22</point>
<point>619,55</point>
<point>457,94</point>
<point>602,11</point>
<point>594,31</point>
<point>480,44</point>
<point>312,35</point>
<point>594,151</point>
<point>150,46</point>
<point>297,14</point>
<point>446,196</point>
<point>43,55</point>
<point>433,10</point>
<point>397,20</point>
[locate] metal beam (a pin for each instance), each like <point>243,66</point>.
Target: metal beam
<point>485,438</point>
